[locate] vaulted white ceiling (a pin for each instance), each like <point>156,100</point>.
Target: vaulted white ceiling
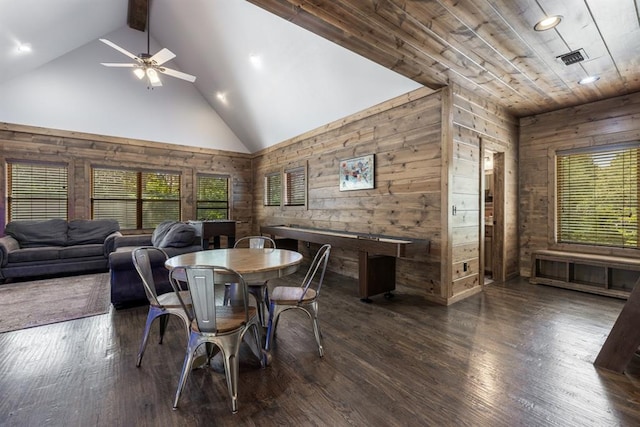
<point>302,81</point>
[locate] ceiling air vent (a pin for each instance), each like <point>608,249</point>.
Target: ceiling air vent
<point>573,57</point>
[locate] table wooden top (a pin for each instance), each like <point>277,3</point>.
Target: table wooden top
<point>253,264</point>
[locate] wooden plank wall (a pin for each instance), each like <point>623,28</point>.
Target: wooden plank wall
<point>82,151</point>
<point>474,122</point>
<point>404,134</point>
<point>426,144</point>
<point>600,123</point>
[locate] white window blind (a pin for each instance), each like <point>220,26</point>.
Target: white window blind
<point>136,199</point>
<point>36,191</point>
<point>295,187</point>
<point>273,189</point>
<point>597,197</point>
<point>212,197</point>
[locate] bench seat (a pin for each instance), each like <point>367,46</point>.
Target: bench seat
<point>600,274</point>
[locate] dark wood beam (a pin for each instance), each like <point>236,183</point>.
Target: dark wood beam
<point>137,14</point>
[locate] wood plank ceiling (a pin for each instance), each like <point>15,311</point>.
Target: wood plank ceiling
<point>488,46</point>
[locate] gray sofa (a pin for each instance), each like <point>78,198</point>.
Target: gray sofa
<point>173,237</point>
<point>56,246</point>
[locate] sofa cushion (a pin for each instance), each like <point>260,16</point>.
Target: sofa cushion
<point>178,236</point>
<point>161,231</point>
<point>33,234</point>
<point>87,231</point>
<point>82,251</point>
<point>35,254</point>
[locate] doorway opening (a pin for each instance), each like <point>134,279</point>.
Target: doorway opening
<point>489,189</point>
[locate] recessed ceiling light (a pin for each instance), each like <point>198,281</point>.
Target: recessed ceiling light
<point>222,97</point>
<point>588,80</point>
<point>24,48</point>
<point>547,23</point>
<point>255,60</point>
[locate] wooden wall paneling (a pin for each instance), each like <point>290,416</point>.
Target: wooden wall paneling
<point>406,202</point>
<point>83,151</point>
<point>3,190</point>
<point>446,254</point>
<point>498,255</point>
<point>476,122</point>
<point>600,123</point>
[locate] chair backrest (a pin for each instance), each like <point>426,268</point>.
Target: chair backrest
<point>315,274</point>
<point>142,262</point>
<point>206,284</point>
<point>255,242</point>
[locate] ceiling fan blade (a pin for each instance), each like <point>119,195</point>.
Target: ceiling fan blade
<point>163,56</point>
<point>120,49</point>
<point>119,64</point>
<point>178,74</point>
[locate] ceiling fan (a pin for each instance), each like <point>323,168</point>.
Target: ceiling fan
<point>148,65</point>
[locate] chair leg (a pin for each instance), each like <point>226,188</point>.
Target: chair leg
<point>267,343</point>
<point>227,290</point>
<point>316,327</point>
<point>164,319</point>
<point>272,324</point>
<point>254,341</point>
<point>145,335</point>
<point>230,353</point>
<point>258,293</point>
<point>186,369</point>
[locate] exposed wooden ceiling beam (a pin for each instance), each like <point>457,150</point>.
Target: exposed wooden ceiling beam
<point>137,14</point>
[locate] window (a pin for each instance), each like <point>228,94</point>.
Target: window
<point>295,187</point>
<point>36,191</point>
<point>136,199</point>
<point>273,189</point>
<point>597,197</point>
<point>212,197</point>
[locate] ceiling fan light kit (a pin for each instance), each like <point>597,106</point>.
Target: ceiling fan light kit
<point>147,65</point>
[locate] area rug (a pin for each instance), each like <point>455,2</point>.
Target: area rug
<point>41,302</point>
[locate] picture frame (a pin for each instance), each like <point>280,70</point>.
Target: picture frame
<point>357,173</point>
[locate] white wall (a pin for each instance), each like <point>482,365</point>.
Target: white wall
<point>74,92</point>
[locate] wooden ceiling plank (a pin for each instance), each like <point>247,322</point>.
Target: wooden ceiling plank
<point>432,48</point>
<point>460,43</point>
<point>483,45</point>
<point>620,27</point>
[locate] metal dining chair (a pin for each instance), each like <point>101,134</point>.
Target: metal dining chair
<point>303,297</point>
<point>260,290</point>
<point>176,303</point>
<point>221,325</point>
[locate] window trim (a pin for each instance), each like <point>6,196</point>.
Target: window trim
<point>286,196</point>
<point>552,197</point>
<point>139,200</point>
<point>229,192</point>
<point>265,198</point>
<point>8,186</point>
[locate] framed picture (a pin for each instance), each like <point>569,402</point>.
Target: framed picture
<point>357,173</point>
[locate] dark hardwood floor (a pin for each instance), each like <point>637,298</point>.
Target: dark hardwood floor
<point>516,355</point>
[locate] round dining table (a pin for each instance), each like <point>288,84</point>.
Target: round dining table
<point>255,265</point>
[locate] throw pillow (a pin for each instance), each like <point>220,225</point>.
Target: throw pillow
<point>161,230</point>
<point>179,236</point>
